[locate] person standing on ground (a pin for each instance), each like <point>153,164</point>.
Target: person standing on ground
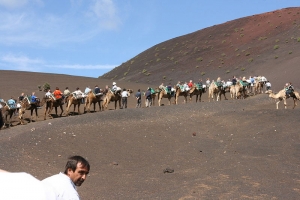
<point>138,97</point>
<point>124,98</point>
<point>148,97</point>
<point>268,85</point>
<point>64,184</point>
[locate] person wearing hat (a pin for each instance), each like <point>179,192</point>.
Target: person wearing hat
<point>114,87</point>
<point>124,95</point>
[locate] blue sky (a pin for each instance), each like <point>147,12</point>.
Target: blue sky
<point>91,37</point>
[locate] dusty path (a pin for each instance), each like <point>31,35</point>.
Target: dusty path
<point>219,150</point>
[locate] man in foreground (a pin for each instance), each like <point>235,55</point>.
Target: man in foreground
<point>64,184</point>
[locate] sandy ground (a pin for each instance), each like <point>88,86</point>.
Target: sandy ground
<point>235,149</point>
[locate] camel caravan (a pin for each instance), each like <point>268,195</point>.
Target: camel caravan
<point>237,88</point>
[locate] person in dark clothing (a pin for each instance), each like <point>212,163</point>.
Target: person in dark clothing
<point>21,97</point>
<point>138,97</point>
<point>97,90</point>
<point>148,98</point>
<point>234,80</point>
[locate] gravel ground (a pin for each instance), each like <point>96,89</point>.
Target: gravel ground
<point>235,149</point>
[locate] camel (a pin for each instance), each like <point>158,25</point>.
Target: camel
<point>5,113</point>
<point>27,105</point>
<point>238,91</point>
<point>215,92</point>
<point>116,97</point>
<point>50,103</point>
<point>258,86</point>
<point>196,91</point>
<point>179,92</point>
<point>281,95</point>
<point>163,94</point>
<point>153,96</point>
<point>71,99</point>
<point>93,98</point>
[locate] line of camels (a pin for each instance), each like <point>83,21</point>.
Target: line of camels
<point>238,91</point>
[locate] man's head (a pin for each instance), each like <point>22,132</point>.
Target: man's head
<point>77,168</point>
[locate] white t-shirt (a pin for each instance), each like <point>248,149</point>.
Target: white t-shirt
<point>63,186</point>
<point>124,94</point>
<point>23,186</point>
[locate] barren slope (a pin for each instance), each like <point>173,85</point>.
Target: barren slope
<point>265,44</point>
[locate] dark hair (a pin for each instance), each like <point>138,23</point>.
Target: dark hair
<point>124,89</point>
<point>139,90</point>
<point>73,161</point>
<point>67,88</point>
<point>57,88</point>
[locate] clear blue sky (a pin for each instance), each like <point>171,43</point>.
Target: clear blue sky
<point>91,37</point>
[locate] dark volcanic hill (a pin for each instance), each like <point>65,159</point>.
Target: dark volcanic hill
<point>265,44</point>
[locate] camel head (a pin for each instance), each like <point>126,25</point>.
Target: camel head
<point>268,92</point>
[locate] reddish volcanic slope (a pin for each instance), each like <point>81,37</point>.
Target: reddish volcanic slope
<point>265,44</point>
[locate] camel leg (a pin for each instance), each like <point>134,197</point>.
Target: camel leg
<point>79,109</point>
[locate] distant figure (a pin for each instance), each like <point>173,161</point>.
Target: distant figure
<point>67,92</point>
<point>21,97</point>
<point>87,90</point>
<point>148,97</point>
<point>48,94</point>
<point>190,84</point>
<point>124,98</point>
<point>58,95</point>
<point>64,184</point>
<point>11,103</point>
<point>289,89</point>
<point>106,90</point>
<point>207,82</point>
<point>268,85</point>
<point>138,97</point>
<point>97,90</point>
<point>33,98</point>
<point>161,87</point>
<point>114,87</point>
<point>78,94</point>
<point>234,80</point>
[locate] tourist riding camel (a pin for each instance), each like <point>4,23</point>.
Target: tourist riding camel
<point>181,91</point>
<point>281,95</point>
<point>74,98</point>
<point>93,98</point>
<point>164,93</point>
<point>215,90</point>
<point>114,96</point>
<point>196,89</point>
<point>31,103</point>
<point>51,103</point>
<point>58,95</point>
